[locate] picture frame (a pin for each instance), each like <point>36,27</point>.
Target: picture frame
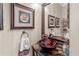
<point>22,17</point>
<point>1,16</point>
<point>57,22</point>
<point>51,21</point>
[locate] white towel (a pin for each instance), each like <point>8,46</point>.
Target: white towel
<point>24,45</point>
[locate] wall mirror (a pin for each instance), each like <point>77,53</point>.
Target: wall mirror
<point>55,20</point>
<point>55,16</point>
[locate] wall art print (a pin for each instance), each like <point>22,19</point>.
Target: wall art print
<point>1,16</point>
<point>22,17</point>
<point>57,22</point>
<point>51,21</point>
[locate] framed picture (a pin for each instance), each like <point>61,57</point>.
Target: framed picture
<point>22,17</point>
<point>57,22</point>
<point>51,21</point>
<point>1,16</point>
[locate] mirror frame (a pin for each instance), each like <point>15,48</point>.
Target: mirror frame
<point>43,17</point>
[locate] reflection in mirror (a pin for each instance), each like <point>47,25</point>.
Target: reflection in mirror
<point>56,22</point>
<point>57,18</point>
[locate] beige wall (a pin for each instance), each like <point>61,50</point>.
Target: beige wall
<point>9,39</point>
<point>74,26</point>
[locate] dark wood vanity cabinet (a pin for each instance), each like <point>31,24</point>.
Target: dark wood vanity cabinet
<point>57,50</point>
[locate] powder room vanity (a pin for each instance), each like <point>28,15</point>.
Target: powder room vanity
<point>55,16</point>
<point>53,47</point>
